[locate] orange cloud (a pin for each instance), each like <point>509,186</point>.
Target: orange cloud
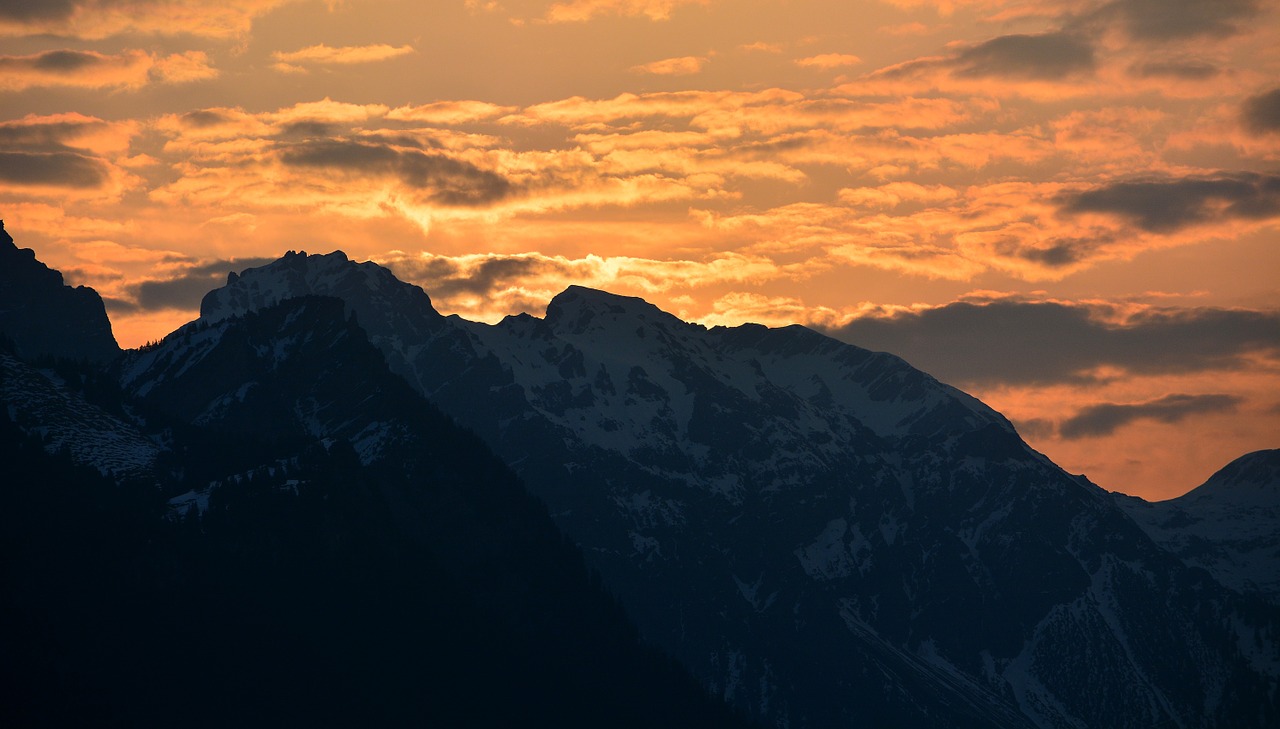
<point>681,66</point>
<point>295,61</point>
<point>827,61</point>
<point>582,10</point>
<point>450,112</point>
<point>95,19</point>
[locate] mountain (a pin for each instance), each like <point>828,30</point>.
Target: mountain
<point>43,316</point>
<point>42,403</point>
<point>824,535</point>
<point>306,541</point>
<point>1229,526</point>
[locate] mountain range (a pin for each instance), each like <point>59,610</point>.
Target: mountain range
<point>821,535</point>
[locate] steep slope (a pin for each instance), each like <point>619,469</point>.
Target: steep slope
<point>42,405</point>
<point>265,527</point>
<point>300,377</point>
<point>825,535</point>
<point>1230,525</point>
<point>42,316</point>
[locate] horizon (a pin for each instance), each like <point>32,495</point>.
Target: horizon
<point>1066,208</point>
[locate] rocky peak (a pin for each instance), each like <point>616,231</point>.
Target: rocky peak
<point>43,316</point>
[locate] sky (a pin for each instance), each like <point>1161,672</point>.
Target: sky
<point>1068,208</point>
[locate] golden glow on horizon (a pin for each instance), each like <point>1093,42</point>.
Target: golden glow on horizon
<point>816,161</point>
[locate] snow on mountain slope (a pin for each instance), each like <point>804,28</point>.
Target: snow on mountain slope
<point>1230,525</point>
<point>42,405</point>
<point>809,526</point>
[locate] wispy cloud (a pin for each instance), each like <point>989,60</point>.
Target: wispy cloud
<point>1106,418</point>
<point>680,66</point>
<point>323,55</point>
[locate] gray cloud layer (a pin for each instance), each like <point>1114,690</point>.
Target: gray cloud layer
<point>27,10</point>
<point>1107,418</point>
<point>1048,56</point>
<point>59,169</point>
<point>1012,342</point>
<point>1262,112</point>
<point>1167,205</point>
<point>446,180</point>
<point>185,290</point>
<point>1166,20</point>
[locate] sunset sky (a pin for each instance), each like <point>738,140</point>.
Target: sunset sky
<point>1069,208</point>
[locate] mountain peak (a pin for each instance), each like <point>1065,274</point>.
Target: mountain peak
<point>1253,478</point>
<point>577,306</point>
<point>298,273</point>
<point>44,316</point>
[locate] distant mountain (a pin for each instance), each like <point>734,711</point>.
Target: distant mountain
<point>300,539</point>
<point>822,534</point>
<point>44,317</point>
<point>1230,525</point>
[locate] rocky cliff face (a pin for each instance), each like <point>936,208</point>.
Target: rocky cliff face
<point>42,316</point>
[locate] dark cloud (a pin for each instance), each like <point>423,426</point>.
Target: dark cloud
<point>59,169</point>
<point>1017,342</point>
<point>1167,205</point>
<point>185,290</point>
<point>306,130</point>
<point>445,277</point>
<point>65,61</point>
<point>1165,20</point>
<point>1048,56</point>
<point>1107,418</point>
<point>445,180</point>
<point>1188,70</point>
<point>204,118</point>
<point>44,136</point>
<point>29,10</point>
<point>1262,112</point>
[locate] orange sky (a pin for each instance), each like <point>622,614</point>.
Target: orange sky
<point>1068,207</point>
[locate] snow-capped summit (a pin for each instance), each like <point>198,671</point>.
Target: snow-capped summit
<point>1230,525</point>
<point>823,534</point>
<point>395,314</point>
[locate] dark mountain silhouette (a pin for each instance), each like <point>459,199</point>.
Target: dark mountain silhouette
<point>44,317</point>
<point>310,542</point>
<point>823,534</point>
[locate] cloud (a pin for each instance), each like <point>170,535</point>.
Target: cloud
<point>1106,418</point>
<point>325,55</point>
<point>1261,113</point>
<point>1172,20</point>
<point>1186,70</point>
<point>575,11</point>
<point>1167,205</point>
<point>54,169</point>
<point>489,286</point>
<point>681,66</point>
<point>448,181</point>
<point>1047,56</point>
<point>64,132</point>
<point>185,288</point>
<point>96,19</point>
<point>130,69</point>
<point>63,154</point>
<point>450,112</point>
<point>828,61</point>
<point>1017,342</point>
